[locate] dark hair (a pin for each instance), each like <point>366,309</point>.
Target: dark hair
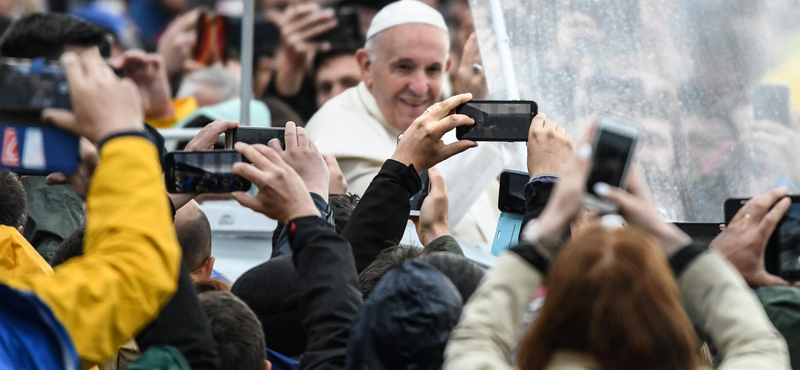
<point>336,52</point>
<point>387,261</point>
<point>465,274</point>
<point>194,235</point>
<point>47,35</point>
<point>342,206</point>
<point>13,200</point>
<point>71,247</point>
<point>211,285</point>
<point>236,331</point>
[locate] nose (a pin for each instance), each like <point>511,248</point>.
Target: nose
<point>419,85</point>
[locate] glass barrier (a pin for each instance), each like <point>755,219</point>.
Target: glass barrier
<point>715,85</point>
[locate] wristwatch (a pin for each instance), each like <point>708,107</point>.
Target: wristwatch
<point>545,245</point>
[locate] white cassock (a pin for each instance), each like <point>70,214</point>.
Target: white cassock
<point>352,128</point>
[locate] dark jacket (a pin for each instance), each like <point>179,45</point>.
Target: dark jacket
<point>379,220</point>
<point>406,322</point>
<point>329,293</point>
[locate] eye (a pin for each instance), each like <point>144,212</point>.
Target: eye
<point>434,70</point>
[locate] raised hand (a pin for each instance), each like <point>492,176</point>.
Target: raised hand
<point>550,146</point>
<point>468,79</point>
<point>150,75</point>
<point>102,103</point>
<point>177,42</point>
<point>282,194</point>
<point>338,182</point>
<point>744,240</point>
<point>432,221</point>
<point>422,143</point>
<point>304,157</point>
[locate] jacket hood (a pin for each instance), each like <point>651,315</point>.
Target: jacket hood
<point>18,257</point>
<point>406,321</point>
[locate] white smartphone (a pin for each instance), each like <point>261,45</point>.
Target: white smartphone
<point>614,143</point>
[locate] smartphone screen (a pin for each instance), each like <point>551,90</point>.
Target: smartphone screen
<point>787,238</point>
<point>212,36</point>
<point>611,157</point>
<point>36,85</point>
<point>204,172</point>
<point>417,199</point>
<point>255,135</point>
<point>512,196</point>
<point>497,120</point>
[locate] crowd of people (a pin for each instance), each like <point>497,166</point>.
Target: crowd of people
<point>103,268</point>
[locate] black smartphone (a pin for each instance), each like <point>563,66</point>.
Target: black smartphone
<point>417,199</point>
<point>771,102</point>
<point>703,232</point>
<point>347,33</point>
<point>783,248</point>
<point>30,85</point>
<point>497,120</point>
<point>512,196</point>
<point>254,135</point>
<point>614,144</point>
<point>203,172</point>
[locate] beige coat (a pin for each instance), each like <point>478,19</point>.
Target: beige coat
<point>715,296</point>
<point>352,128</point>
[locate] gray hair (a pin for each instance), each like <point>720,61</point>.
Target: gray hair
<point>372,44</point>
<point>216,76</point>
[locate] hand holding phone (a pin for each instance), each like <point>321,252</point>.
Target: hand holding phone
<point>497,120</point>
<point>613,146</point>
<point>432,221</point>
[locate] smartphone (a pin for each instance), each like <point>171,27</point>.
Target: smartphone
<point>219,36</point>
<point>700,231</point>
<point>507,233</point>
<point>203,172</point>
<point>30,85</point>
<point>497,120</point>
<point>417,199</point>
<point>771,102</point>
<point>614,143</point>
<point>254,135</point>
<point>348,31</point>
<point>783,247</point>
<point>512,197</point>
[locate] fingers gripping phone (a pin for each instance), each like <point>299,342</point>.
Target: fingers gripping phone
<point>783,247</point>
<point>614,143</point>
<point>203,172</point>
<point>511,202</point>
<point>254,135</point>
<point>497,120</point>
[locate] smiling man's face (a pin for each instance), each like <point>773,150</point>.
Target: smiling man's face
<point>406,71</point>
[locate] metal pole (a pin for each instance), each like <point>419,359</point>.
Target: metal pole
<point>248,18</point>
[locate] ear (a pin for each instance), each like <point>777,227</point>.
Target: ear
<point>447,65</point>
<point>208,268</point>
<point>267,365</point>
<point>362,56</point>
<point>21,229</point>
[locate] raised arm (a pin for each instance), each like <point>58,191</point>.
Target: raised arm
<point>132,257</point>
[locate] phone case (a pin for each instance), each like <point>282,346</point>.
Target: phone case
<point>461,131</point>
<point>507,233</point>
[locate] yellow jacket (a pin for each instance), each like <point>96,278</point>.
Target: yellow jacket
<point>131,260</point>
<point>18,257</point>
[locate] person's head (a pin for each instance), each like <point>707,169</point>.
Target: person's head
<point>612,296</point>
<point>277,308</point>
<point>194,236</point>
<point>71,246</point>
<point>336,71</point>
<point>465,274</point>
<point>405,59</point>
<point>342,207</point>
<point>210,86</point>
<point>236,331</point>
<point>13,201</point>
<point>48,35</point>
<point>406,321</point>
